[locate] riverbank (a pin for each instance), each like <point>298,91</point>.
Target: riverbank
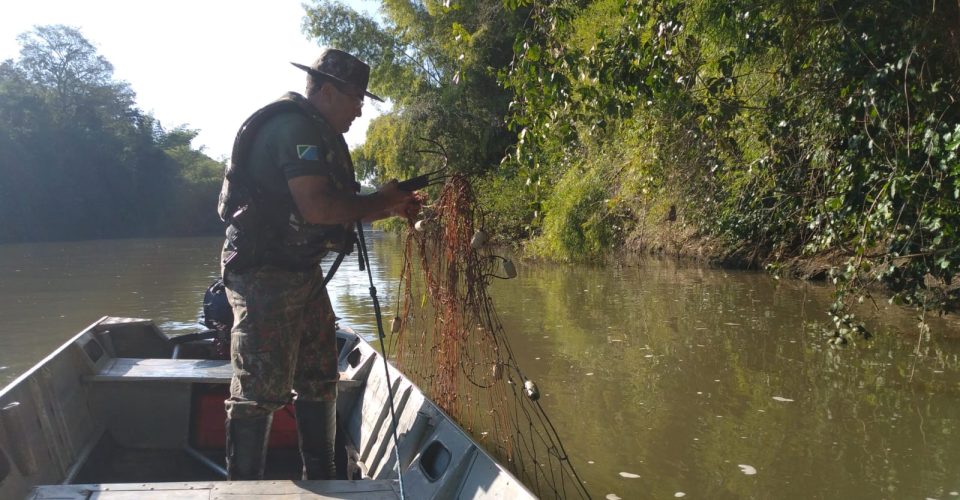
<point>672,237</point>
<point>679,239</point>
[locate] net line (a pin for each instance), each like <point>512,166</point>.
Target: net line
<point>451,343</point>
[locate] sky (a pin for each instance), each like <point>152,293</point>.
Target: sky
<point>206,64</point>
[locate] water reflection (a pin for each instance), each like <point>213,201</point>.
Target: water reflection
<point>660,378</point>
<point>695,377</point>
<point>49,291</point>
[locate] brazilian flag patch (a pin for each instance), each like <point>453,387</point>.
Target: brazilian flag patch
<point>308,152</point>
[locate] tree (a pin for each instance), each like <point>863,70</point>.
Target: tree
<point>60,59</point>
<point>24,116</point>
<point>438,64</point>
<point>80,160</point>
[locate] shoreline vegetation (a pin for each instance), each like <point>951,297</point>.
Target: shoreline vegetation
<point>80,160</point>
<point>812,139</point>
<point>809,138</point>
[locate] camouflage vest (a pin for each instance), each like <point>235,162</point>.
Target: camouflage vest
<point>281,236</point>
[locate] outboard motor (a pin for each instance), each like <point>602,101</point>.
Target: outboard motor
<point>217,313</point>
<point>218,317</point>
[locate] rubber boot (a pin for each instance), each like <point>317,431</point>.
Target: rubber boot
<point>247,447</point>
<point>317,429</point>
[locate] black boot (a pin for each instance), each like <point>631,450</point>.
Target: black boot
<point>247,447</point>
<point>317,428</point>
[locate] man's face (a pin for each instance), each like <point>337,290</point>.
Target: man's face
<point>345,106</point>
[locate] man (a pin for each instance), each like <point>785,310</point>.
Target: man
<point>290,197</point>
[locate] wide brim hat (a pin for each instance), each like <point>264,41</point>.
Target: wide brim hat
<point>342,68</point>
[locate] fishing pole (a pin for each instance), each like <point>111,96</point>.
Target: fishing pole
<point>434,178</point>
<point>365,260</point>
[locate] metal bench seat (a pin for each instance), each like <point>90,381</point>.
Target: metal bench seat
<point>207,371</point>
<point>172,370</point>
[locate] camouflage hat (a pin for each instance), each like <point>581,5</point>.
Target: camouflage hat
<point>342,68</point>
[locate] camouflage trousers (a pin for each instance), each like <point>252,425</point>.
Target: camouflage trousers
<point>283,338</point>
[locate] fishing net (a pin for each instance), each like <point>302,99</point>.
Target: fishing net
<point>450,342</point>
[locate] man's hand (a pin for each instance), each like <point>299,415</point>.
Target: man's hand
<point>411,209</point>
<point>399,202</point>
<point>393,195</point>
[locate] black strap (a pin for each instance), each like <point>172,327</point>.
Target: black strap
<point>347,243</point>
<point>333,267</point>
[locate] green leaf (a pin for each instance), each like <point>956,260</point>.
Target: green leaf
<point>953,140</point>
<point>533,53</point>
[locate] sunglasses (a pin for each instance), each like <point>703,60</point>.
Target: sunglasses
<point>357,98</point>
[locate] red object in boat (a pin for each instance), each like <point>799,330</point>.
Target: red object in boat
<point>209,422</point>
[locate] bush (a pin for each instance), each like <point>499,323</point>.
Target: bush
<point>580,218</point>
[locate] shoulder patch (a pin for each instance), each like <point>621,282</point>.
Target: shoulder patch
<point>308,152</point>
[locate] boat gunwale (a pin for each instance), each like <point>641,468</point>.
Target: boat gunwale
<point>33,369</point>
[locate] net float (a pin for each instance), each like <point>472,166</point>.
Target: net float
<point>531,389</point>
<point>509,268</point>
<point>395,324</point>
<point>479,239</point>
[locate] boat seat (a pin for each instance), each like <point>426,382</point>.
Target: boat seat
<point>209,371</point>
<point>157,369</point>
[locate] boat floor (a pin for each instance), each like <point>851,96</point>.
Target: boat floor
<point>114,472</point>
<point>223,490</point>
<point>111,463</point>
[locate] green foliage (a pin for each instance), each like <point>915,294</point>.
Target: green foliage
<point>781,129</point>
<point>80,161</point>
<point>436,63</point>
<point>575,225</point>
<point>787,128</point>
<point>390,141</point>
<point>195,167</point>
<point>505,208</point>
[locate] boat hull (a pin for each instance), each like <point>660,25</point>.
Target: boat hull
<point>120,406</point>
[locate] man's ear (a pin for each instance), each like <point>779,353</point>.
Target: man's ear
<point>327,92</point>
<point>323,96</point>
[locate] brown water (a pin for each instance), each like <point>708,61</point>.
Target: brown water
<point>664,381</point>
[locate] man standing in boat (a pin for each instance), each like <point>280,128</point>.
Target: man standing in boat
<point>290,196</point>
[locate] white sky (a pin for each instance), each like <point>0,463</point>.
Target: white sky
<point>205,63</point>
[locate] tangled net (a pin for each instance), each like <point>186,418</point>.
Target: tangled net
<point>458,353</point>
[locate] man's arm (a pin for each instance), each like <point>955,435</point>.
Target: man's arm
<point>319,203</point>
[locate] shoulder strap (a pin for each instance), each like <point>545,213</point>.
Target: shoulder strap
<point>238,188</point>
<point>232,198</point>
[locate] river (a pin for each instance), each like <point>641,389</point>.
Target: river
<point>663,380</point>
